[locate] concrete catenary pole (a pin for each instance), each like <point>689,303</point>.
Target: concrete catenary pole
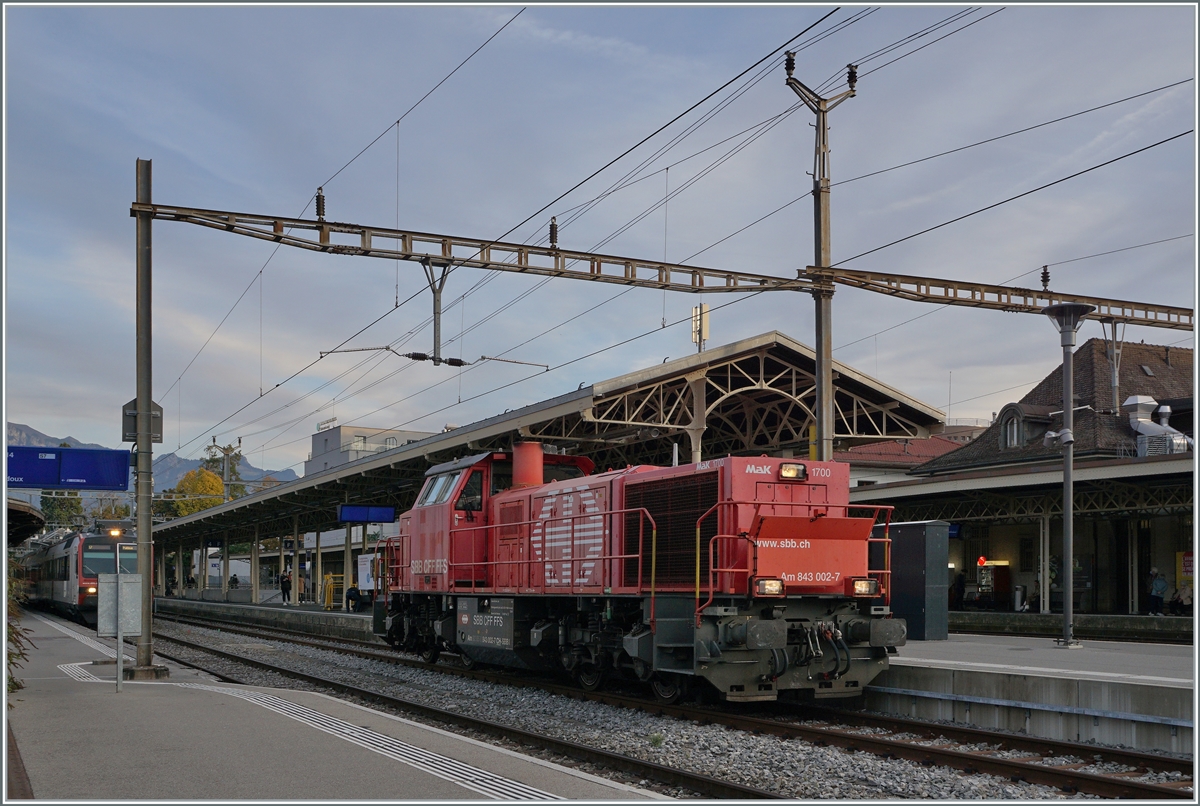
<point>1068,316</point>
<point>296,555</point>
<point>145,450</point>
<point>254,567</point>
<point>823,291</point>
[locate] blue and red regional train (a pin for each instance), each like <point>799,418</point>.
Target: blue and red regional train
<point>61,572</point>
<point>752,578</point>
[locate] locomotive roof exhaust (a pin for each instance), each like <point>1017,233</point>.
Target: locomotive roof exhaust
<point>527,464</point>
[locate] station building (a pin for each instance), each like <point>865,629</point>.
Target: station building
<point>1134,492</point>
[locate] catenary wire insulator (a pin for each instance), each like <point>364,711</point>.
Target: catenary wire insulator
<point>1045,278</point>
<point>789,63</point>
<point>553,232</point>
<point>852,75</point>
<point>321,204</point>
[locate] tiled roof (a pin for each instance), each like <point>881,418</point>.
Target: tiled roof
<point>1098,431</point>
<point>898,453</point>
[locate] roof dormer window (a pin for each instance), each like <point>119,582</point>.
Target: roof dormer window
<point>1012,432</point>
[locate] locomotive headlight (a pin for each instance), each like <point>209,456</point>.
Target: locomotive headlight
<point>91,590</point>
<point>866,587</point>
<point>793,472</point>
<point>768,587</point>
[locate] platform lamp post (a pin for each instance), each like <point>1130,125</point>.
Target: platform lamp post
<point>1067,316</point>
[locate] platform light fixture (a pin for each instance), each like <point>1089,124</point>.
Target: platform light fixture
<point>1068,316</point>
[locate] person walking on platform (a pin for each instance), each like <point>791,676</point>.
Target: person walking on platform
<point>1158,591</point>
<point>285,587</point>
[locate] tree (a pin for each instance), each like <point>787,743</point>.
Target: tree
<point>199,482</point>
<point>62,511</point>
<point>214,462</point>
<point>165,507</point>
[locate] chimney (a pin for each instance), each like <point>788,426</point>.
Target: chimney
<point>1164,415</point>
<point>527,464</point>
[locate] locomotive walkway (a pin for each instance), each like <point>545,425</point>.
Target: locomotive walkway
<point>193,738</point>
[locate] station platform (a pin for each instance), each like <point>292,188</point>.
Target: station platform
<point>191,737</point>
<point>1139,695</point>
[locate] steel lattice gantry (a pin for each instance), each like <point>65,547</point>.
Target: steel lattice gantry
<point>758,395</point>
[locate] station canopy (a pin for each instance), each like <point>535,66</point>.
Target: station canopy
<point>752,397</point>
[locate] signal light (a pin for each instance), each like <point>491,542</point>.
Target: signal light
<point>768,587</point>
<point>793,472</point>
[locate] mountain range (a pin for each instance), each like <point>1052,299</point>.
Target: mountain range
<point>168,467</point>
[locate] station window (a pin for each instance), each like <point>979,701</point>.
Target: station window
<point>1026,554</point>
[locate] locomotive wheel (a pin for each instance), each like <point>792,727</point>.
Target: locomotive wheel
<point>667,689</point>
<point>429,653</point>
<point>590,677</point>
<point>467,661</point>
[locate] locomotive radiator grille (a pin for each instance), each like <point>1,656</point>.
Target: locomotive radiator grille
<point>675,504</point>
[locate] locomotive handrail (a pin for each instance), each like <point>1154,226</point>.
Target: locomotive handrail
<point>712,571</point>
<point>602,558</point>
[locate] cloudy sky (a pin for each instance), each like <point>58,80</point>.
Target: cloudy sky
<point>252,108</point>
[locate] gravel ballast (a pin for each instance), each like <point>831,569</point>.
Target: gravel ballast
<point>793,768</point>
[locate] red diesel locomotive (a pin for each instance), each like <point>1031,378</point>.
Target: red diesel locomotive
<point>753,575</point>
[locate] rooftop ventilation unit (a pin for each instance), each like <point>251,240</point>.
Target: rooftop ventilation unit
<point>1154,439</point>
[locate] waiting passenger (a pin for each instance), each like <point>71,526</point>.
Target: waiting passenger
<point>1158,591</point>
<point>353,597</point>
<point>1181,602</point>
<point>233,581</point>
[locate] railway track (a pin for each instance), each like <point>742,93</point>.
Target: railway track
<point>1019,758</point>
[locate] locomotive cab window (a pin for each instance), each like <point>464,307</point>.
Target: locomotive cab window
<point>437,491</point>
<point>99,558</point>
<point>471,497</point>
<point>128,559</point>
<point>561,472</point>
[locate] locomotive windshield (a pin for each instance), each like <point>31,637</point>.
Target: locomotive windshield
<point>101,558</point>
<point>438,488</point>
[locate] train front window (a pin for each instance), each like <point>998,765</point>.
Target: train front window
<point>129,560</point>
<point>99,559</point>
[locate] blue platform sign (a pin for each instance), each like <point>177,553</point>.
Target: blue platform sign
<point>359,513</point>
<point>67,468</point>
